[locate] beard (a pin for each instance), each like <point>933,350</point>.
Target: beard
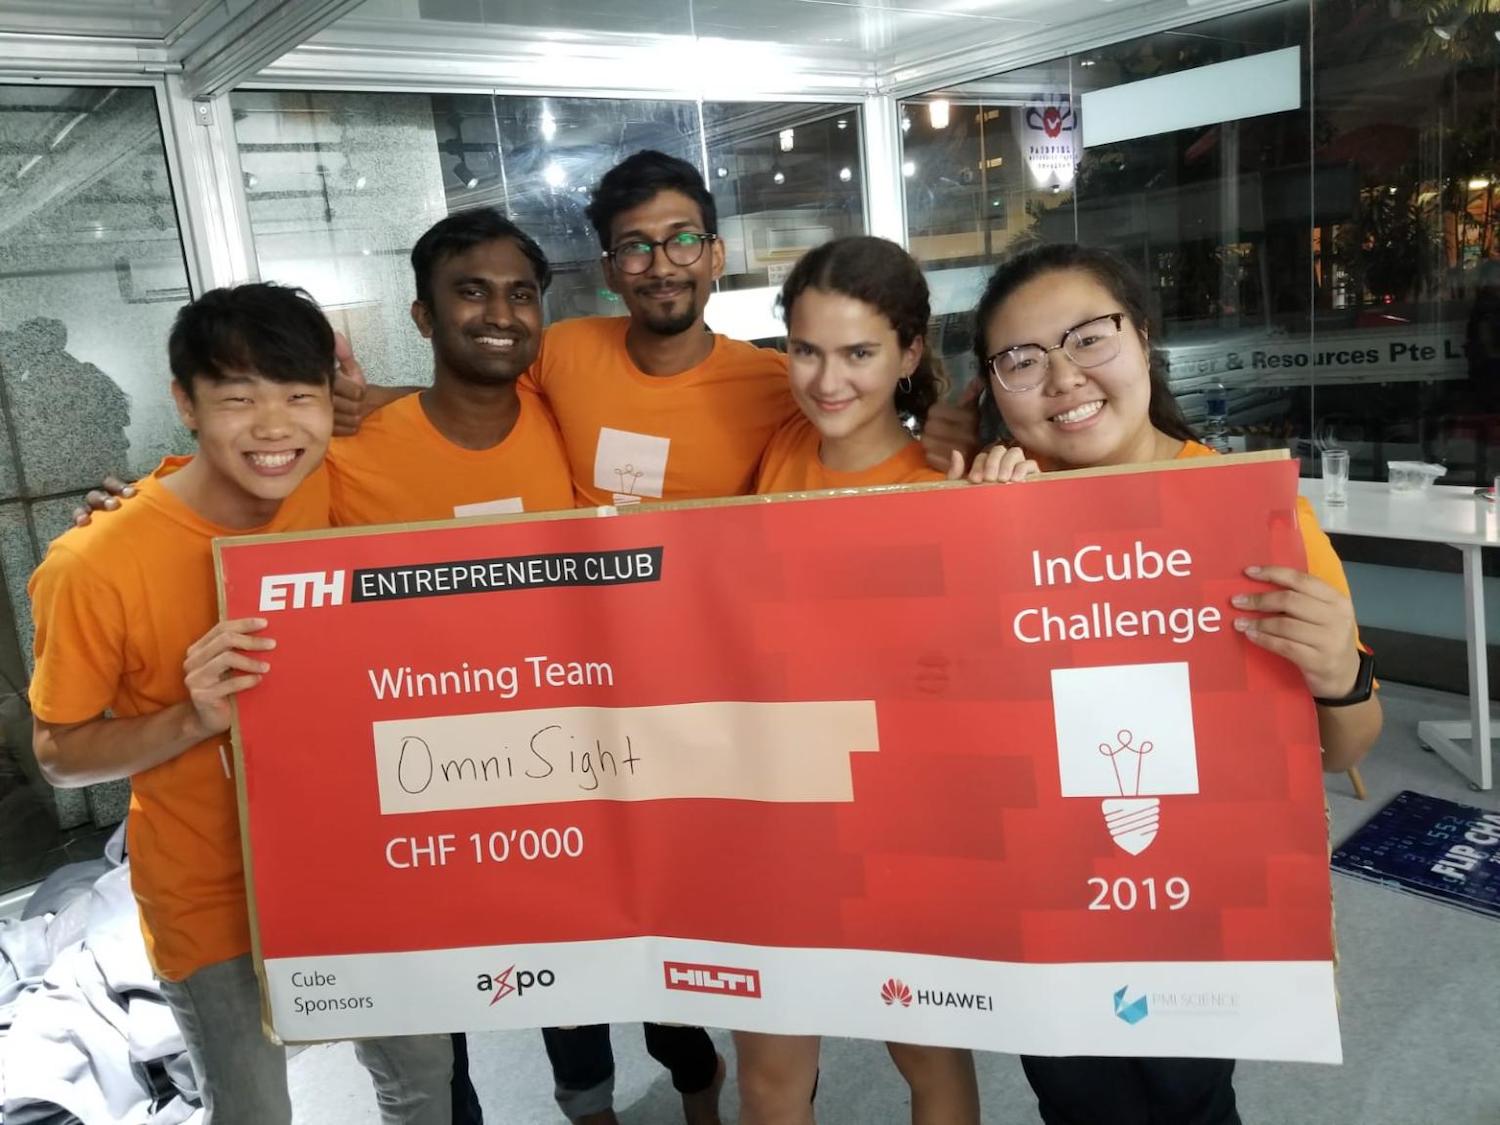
<point>667,323</point>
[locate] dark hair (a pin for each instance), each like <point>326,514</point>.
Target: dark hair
<point>887,278</point>
<point>274,331</point>
<point>464,230</point>
<point>640,178</point>
<point>1124,285</point>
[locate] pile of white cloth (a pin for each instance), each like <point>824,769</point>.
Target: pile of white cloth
<point>85,1035</point>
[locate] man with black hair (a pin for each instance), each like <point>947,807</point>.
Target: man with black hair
<point>472,443</point>
<point>134,679</point>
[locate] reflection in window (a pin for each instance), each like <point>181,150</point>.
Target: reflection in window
<point>1334,268</point>
<point>91,275</point>
<point>340,185</point>
<point>786,178</point>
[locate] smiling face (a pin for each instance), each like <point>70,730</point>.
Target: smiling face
<point>844,360</point>
<point>1077,417</point>
<point>667,299</point>
<point>260,438</point>
<point>485,315</point>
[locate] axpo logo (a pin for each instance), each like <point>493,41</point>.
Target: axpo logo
<point>510,982</point>
<point>309,590</point>
<point>683,976</point>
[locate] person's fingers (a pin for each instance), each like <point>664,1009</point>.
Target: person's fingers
<point>222,688</point>
<point>955,465</point>
<point>1299,654</point>
<point>225,662</point>
<point>1288,628</point>
<point>117,487</point>
<point>1292,579</point>
<point>349,367</point>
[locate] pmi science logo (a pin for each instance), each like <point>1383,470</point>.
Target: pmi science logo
<point>896,991</point>
<point>510,982</point>
<point>1131,1011</point>
<point>683,976</point>
<point>1164,1005</point>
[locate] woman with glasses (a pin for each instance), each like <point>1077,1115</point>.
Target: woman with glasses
<point>856,313</point>
<point>1063,336</point>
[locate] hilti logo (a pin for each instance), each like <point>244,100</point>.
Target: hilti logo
<point>308,591</point>
<point>712,978</point>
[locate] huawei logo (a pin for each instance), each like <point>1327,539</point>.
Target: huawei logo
<point>894,992</point>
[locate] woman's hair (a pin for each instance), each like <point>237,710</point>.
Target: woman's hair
<point>1123,284</point>
<point>887,278</point>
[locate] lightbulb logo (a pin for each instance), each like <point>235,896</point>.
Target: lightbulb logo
<point>1131,1011</point>
<point>894,991</point>
<point>1125,733</point>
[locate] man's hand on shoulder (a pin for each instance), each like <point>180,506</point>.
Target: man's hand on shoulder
<point>105,498</point>
<point>952,427</point>
<point>354,399</point>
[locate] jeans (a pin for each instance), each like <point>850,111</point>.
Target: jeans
<point>241,1075</point>
<point>1084,1090</point>
<point>583,1063</point>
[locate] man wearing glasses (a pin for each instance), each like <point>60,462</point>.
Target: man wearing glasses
<point>655,406</point>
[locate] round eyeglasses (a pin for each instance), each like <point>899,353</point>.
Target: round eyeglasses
<point>1024,367</point>
<point>682,249</point>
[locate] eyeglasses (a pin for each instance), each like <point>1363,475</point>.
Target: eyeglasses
<point>1023,367</point>
<point>682,249</point>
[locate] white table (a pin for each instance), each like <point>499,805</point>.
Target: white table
<point>1456,517</point>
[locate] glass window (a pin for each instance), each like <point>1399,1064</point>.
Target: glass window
<point>1406,279</point>
<point>787,177</point>
<point>1216,216</point>
<point>340,186</point>
<point>91,275</point>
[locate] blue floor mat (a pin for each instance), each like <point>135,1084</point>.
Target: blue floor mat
<point>1438,849</point>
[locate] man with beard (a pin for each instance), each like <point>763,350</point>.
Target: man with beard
<point>655,406</point>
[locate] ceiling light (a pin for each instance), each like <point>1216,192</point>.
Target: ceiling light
<point>846,174</point>
<point>250,178</point>
<point>787,137</point>
<point>778,176</point>
<point>905,123</point>
<point>721,171</point>
<point>1476,185</point>
<point>842,124</point>
<point>937,113</point>
<point>1087,62</point>
<point>549,123</point>
<point>554,175</point>
<point>909,169</point>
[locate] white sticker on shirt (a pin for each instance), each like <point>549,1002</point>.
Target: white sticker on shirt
<point>629,465</point>
<point>507,507</point>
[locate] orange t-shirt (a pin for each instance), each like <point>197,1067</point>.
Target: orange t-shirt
<point>791,464</point>
<point>1322,561</point>
<point>117,604</point>
<point>632,436</point>
<point>400,469</point>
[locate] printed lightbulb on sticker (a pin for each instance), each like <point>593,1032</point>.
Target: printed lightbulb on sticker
<point>1125,733</point>
<point>1132,820</point>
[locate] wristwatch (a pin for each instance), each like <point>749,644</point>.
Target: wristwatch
<point>1364,684</point>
